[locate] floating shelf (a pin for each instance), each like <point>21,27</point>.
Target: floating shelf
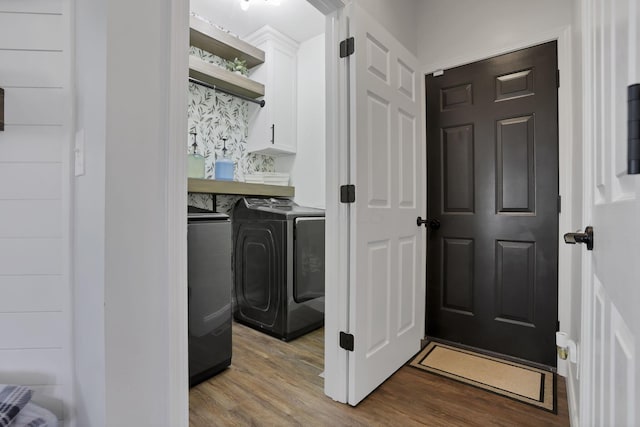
<point>273,151</point>
<point>218,76</point>
<point>209,38</point>
<point>210,186</point>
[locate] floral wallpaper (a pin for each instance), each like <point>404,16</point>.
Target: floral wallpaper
<point>224,203</point>
<point>214,116</point>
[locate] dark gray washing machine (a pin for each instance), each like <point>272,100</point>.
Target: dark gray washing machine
<point>278,266</point>
<point>210,285</point>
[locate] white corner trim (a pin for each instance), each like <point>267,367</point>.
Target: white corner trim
<point>574,415</point>
<point>70,391</point>
<point>176,186</point>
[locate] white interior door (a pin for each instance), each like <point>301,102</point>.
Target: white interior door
<point>612,205</point>
<point>387,288</point>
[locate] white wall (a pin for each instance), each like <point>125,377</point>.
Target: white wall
<point>401,19</point>
<point>136,285</point>
<point>124,335</point>
<point>308,165</point>
<point>35,288</point>
<point>450,29</point>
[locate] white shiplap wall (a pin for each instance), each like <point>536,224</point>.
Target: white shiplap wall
<point>35,290</point>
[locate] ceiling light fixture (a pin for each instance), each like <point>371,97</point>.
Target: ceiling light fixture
<point>244,4</point>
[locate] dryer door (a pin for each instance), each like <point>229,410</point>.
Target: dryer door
<point>308,270</point>
<point>259,274</point>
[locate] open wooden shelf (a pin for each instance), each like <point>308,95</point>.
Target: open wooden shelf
<point>210,186</point>
<point>209,38</point>
<point>218,76</point>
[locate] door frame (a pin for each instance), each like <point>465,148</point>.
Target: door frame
<point>566,161</point>
<point>336,360</point>
<point>583,412</point>
<point>336,301</point>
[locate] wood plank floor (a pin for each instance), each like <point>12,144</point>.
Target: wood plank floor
<point>273,383</point>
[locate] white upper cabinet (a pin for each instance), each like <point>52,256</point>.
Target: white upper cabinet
<point>272,129</point>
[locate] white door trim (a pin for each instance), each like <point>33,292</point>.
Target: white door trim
<point>337,214</point>
<point>585,406</point>
<point>565,141</point>
<point>176,185</point>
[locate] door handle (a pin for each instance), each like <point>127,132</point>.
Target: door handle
<point>578,237</point>
<point>433,224</point>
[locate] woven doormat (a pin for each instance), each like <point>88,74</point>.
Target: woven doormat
<point>526,384</point>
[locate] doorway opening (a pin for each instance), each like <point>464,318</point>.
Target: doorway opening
<point>288,147</point>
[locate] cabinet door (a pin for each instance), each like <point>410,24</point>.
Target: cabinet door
<point>272,129</point>
<point>261,119</point>
<point>283,100</point>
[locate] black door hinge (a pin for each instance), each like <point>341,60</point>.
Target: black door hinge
<point>559,203</point>
<point>557,78</point>
<point>346,341</point>
<point>1,109</point>
<point>347,193</point>
<point>558,326</point>
<point>633,129</point>
<point>347,47</point>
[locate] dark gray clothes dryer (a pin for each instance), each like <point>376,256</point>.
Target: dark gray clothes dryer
<point>210,284</point>
<point>278,266</point>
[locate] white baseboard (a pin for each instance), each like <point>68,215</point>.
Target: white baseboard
<point>574,414</point>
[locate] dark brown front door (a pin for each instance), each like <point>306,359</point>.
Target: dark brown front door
<point>492,183</point>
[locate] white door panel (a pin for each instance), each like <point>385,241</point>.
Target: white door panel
<point>612,206</point>
<point>387,259</point>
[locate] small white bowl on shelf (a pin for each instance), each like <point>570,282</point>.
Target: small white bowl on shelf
<point>268,178</point>
<point>254,178</point>
<point>276,178</point>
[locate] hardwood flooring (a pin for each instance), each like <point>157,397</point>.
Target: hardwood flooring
<point>273,383</point>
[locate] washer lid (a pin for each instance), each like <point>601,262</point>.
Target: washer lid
<point>207,216</point>
<point>299,211</point>
<point>274,202</point>
<point>278,206</point>
<point>291,211</point>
